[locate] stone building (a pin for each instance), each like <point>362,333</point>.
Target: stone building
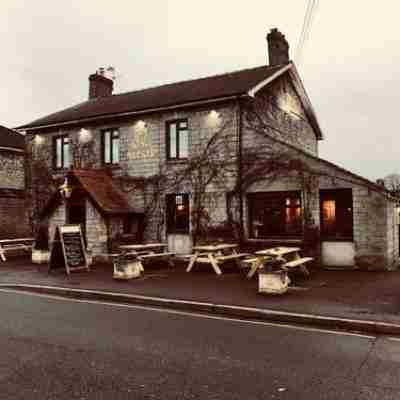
<point>13,210</point>
<point>239,149</point>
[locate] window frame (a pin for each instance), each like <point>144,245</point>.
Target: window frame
<point>171,219</point>
<point>283,194</point>
<point>177,123</point>
<point>111,151</point>
<point>65,140</point>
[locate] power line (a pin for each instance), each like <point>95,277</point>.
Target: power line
<point>305,34</point>
<point>305,21</point>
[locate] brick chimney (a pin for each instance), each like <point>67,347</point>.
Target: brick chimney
<point>100,85</point>
<point>278,48</point>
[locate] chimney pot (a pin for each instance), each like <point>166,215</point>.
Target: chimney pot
<point>278,48</point>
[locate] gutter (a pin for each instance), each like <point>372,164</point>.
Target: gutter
<point>129,113</point>
<point>241,233</point>
<point>17,150</point>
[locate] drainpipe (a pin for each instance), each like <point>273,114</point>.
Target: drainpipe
<point>241,227</point>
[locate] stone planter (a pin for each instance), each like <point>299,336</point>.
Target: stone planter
<point>127,269</point>
<point>273,282</point>
<point>40,256</point>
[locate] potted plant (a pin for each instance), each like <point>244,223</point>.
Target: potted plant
<point>40,250</point>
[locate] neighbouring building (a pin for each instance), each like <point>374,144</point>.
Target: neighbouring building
<point>13,202</point>
<point>236,153</point>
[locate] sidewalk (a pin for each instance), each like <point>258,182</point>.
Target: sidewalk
<point>354,295</point>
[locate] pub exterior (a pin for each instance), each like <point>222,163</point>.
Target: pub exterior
<point>235,153</point>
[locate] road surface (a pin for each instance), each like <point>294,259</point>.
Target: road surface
<point>66,349</point>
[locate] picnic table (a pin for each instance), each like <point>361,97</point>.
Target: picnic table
<point>290,257</point>
<point>215,255</point>
<point>133,256</point>
<point>15,244</point>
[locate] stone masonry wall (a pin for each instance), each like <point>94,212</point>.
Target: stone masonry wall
<point>375,233</point>
<point>13,218</point>
<point>96,230</point>
<point>286,115</point>
<point>13,203</point>
<point>58,217</point>
<point>12,170</point>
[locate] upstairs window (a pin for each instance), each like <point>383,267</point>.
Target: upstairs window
<point>275,214</point>
<point>61,152</point>
<point>177,140</point>
<point>336,210</point>
<point>110,141</point>
<point>178,213</point>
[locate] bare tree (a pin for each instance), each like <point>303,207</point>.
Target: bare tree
<point>392,183</point>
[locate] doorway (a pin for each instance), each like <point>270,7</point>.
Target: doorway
<point>76,211</point>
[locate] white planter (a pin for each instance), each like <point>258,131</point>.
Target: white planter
<point>40,256</point>
<point>273,282</point>
<point>127,270</point>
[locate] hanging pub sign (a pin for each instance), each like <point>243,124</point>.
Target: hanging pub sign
<point>68,250</point>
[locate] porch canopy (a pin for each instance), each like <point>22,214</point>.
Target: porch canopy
<point>98,185</point>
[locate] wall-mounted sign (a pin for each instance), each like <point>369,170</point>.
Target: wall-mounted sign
<point>141,146</point>
<point>68,250</point>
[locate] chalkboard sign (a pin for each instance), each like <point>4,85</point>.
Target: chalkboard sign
<point>68,250</point>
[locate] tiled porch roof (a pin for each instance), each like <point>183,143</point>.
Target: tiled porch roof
<point>106,196</point>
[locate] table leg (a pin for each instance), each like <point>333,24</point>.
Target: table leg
<point>2,255</point>
<point>214,264</point>
<point>192,261</point>
<point>254,267</point>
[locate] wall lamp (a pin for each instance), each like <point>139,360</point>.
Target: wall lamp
<point>85,135</point>
<point>38,140</point>
<point>65,189</point>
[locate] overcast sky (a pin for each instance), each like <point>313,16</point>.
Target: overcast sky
<point>350,65</point>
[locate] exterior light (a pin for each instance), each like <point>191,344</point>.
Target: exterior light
<point>38,140</point>
<point>214,114</point>
<point>65,189</point>
<point>85,135</point>
<point>213,119</point>
<point>141,124</point>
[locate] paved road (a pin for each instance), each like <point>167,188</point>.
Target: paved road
<point>60,349</point>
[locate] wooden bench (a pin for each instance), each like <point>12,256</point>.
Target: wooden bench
<point>300,262</point>
<point>25,244</point>
<point>168,255</point>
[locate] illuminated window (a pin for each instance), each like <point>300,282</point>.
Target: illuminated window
<point>336,209</point>
<point>110,145</point>
<point>177,139</point>
<point>275,214</point>
<point>178,213</point>
<point>61,152</point>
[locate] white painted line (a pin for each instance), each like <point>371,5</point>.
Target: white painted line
<point>192,314</point>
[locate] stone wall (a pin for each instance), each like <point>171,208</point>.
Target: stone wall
<point>57,217</point>
<point>13,203</point>
<point>285,115</point>
<point>375,233</point>
<point>96,230</point>
<point>13,216</point>
<point>12,170</point>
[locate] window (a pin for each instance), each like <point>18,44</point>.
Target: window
<point>336,210</point>
<point>110,141</point>
<point>177,140</point>
<point>178,213</point>
<point>61,152</point>
<point>275,214</point>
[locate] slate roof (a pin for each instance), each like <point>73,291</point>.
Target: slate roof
<point>106,196</point>
<point>10,138</point>
<point>209,88</point>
